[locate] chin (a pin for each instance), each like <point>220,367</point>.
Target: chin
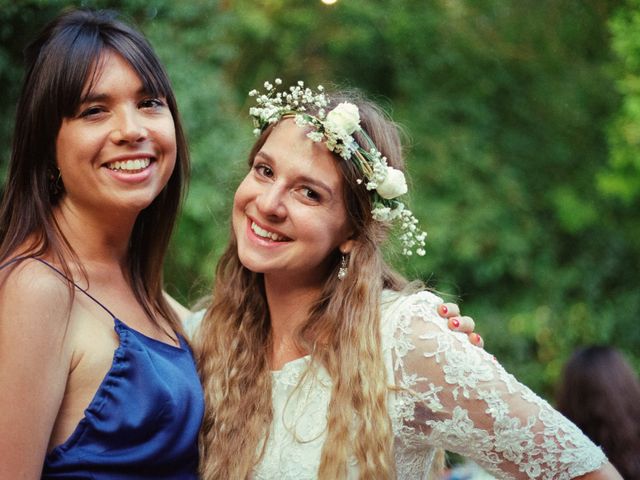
<point>139,204</point>
<point>251,266</point>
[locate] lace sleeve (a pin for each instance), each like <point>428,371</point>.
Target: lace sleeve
<point>456,396</point>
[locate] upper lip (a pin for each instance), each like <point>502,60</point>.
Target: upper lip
<point>130,156</point>
<point>268,228</point>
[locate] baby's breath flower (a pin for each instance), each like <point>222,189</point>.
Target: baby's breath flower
<point>315,136</point>
<point>335,129</point>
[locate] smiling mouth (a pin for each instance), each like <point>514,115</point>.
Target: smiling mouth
<point>129,166</point>
<point>266,234</point>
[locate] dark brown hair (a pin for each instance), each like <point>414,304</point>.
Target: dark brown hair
<point>60,61</point>
<point>600,393</point>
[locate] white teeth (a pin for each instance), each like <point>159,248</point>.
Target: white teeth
<point>261,232</point>
<point>130,165</point>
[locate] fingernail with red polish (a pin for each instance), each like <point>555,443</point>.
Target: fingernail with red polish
<point>444,309</point>
<point>455,322</point>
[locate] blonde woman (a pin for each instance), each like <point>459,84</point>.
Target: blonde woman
<point>317,359</point>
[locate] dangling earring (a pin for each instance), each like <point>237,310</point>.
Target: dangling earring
<point>55,183</point>
<point>342,272</point>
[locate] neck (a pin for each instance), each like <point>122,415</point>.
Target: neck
<point>288,309</point>
<point>96,239</point>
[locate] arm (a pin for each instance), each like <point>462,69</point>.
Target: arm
<point>448,311</point>
<point>34,365</point>
<point>607,472</point>
<point>459,398</point>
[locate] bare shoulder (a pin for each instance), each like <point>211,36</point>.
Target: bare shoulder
<point>35,305</point>
<point>30,288</point>
<point>35,354</point>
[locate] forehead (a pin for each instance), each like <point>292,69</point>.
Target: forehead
<point>289,145</point>
<point>109,68</point>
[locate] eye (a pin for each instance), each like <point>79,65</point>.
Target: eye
<point>91,111</point>
<point>153,103</point>
<point>310,194</point>
<point>263,170</point>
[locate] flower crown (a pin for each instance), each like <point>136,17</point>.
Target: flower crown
<point>335,129</point>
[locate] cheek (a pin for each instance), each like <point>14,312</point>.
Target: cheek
<point>341,231</point>
<point>325,229</point>
<point>240,200</point>
<point>166,136</point>
<point>65,147</point>
<point>243,194</point>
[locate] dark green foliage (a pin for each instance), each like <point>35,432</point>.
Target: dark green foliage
<point>524,143</point>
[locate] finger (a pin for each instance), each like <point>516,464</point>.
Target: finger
<point>447,310</point>
<point>476,340</point>
<point>462,324</point>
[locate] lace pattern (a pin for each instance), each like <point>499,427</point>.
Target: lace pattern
<point>452,395</point>
<point>458,397</point>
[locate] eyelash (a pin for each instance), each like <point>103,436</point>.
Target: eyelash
<point>315,195</point>
<point>155,103</point>
<point>90,111</point>
<point>261,170</point>
<point>266,172</point>
<point>147,103</point>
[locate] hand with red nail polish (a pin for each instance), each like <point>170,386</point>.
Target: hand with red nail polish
<point>458,323</point>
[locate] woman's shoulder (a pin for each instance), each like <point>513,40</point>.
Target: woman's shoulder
<point>33,283</point>
<point>409,317</point>
<point>421,303</point>
<point>35,304</point>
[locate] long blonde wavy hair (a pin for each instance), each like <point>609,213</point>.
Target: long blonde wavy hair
<point>341,333</point>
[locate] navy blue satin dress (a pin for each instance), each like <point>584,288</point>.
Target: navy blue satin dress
<point>144,420</point>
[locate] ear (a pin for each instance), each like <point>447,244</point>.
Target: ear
<point>346,246</point>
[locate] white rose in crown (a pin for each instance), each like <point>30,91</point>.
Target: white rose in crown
<point>393,185</point>
<point>344,119</point>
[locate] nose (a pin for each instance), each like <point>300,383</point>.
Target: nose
<point>270,202</point>
<point>129,127</point>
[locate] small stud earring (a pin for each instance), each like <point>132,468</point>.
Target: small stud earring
<point>342,272</point>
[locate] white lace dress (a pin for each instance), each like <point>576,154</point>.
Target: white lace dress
<point>462,400</point>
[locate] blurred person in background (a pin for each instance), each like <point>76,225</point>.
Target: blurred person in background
<point>600,393</point>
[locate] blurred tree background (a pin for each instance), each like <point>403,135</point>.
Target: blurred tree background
<point>523,123</point>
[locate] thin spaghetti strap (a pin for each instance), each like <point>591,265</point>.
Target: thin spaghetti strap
<point>12,261</point>
<point>63,276</point>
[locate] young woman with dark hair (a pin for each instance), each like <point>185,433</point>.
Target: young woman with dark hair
<point>97,379</point>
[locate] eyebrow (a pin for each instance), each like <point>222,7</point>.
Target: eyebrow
<point>303,178</point>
